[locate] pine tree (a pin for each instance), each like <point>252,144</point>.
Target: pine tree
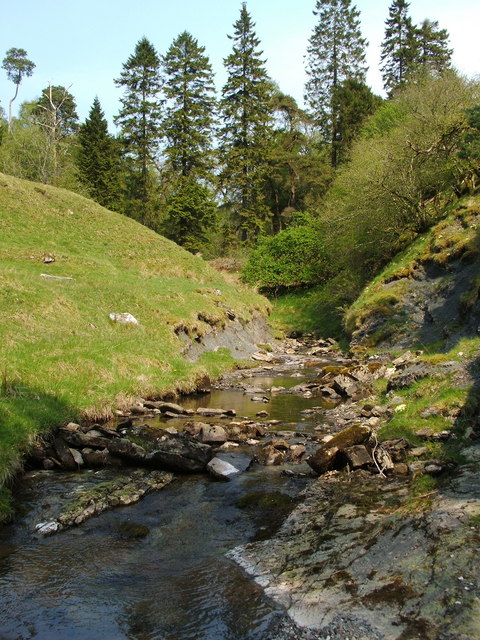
<point>399,48</point>
<point>191,212</point>
<point>188,127</point>
<point>139,120</point>
<point>432,43</point>
<point>352,101</point>
<point>98,158</point>
<point>190,109</point>
<point>56,110</point>
<point>245,134</point>
<point>17,65</point>
<point>336,52</point>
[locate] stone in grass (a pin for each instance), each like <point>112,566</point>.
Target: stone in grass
<point>123,318</point>
<point>226,465</point>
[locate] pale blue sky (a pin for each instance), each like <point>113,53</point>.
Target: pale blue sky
<point>82,45</point>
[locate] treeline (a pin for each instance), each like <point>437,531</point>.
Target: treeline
<point>417,154</point>
<point>212,172</point>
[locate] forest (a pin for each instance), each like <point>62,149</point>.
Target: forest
<point>317,198</point>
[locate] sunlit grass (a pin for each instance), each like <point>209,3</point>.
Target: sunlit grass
<point>61,356</point>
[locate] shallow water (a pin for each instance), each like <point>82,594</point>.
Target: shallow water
<point>175,583</point>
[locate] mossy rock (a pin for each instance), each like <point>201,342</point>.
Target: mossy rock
<point>325,457</point>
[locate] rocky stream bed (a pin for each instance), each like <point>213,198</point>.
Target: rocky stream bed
<point>265,507</point>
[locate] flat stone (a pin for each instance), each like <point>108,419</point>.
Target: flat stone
<point>211,412</point>
<point>345,385</point>
<point>297,452</point>
<point>126,450</point>
<point>226,465</point>
<point>269,456</point>
<point>78,439</point>
<point>166,406</point>
<point>180,453</point>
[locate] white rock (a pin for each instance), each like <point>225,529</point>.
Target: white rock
<point>221,469</point>
<point>47,528</point>
<point>123,318</point>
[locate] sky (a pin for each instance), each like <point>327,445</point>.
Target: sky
<point>82,45</point>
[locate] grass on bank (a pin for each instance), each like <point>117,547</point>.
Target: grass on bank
<point>61,356</point>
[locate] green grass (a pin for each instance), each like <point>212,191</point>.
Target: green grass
<point>316,310</point>
<point>61,356</point>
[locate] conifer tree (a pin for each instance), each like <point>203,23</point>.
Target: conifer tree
<point>56,111</point>
<point>139,120</point>
<point>245,134</point>
<point>98,158</point>
<point>17,65</point>
<point>188,129</point>
<point>336,52</point>
<point>432,43</point>
<point>191,213</point>
<point>190,108</point>
<point>399,48</point>
<point>352,102</point>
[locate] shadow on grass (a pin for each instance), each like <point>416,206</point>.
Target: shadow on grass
<point>24,414</point>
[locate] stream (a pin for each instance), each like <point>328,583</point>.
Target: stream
<point>155,570</point>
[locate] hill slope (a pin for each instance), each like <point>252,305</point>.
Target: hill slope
<point>61,354</point>
<point>429,296</point>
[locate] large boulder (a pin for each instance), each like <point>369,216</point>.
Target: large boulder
<point>326,456</point>
<point>179,453</point>
<point>127,450</point>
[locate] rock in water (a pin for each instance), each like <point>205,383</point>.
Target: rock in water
<point>180,453</point>
<point>213,434</point>
<point>324,458</point>
<point>225,465</point>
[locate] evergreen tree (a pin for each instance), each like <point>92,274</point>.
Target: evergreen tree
<point>98,158</point>
<point>433,53</point>
<point>352,101</point>
<point>17,65</point>
<point>190,109</point>
<point>191,212</point>
<point>56,110</point>
<point>299,168</point>
<point>399,48</point>
<point>246,130</point>
<point>139,119</point>
<point>336,52</point>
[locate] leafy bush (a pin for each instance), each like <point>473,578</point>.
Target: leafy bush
<point>294,257</point>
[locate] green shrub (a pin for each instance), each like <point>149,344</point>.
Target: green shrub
<point>294,257</point>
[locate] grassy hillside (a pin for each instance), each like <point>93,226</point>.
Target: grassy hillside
<point>61,356</point>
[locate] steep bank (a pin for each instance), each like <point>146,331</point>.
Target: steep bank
<point>428,297</point>
<point>67,265</point>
